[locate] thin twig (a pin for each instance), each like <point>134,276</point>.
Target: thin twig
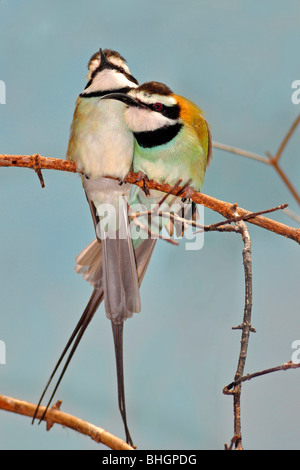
<point>54,415</point>
<point>135,216</point>
<point>287,138</point>
<point>283,176</point>
<point>292,214</point>
<point>286,366</point>
<point>246,329</point>
<point>205,228</point>
<point>273,161</point>
<point>238,151</point>
<point>246,217</point>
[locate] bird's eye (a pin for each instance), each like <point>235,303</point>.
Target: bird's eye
<point>157,106</point>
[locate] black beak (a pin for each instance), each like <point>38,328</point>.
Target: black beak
<point>126,99</point>
<point>104,63</point>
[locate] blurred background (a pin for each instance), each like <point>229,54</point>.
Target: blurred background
<point>237,61</point>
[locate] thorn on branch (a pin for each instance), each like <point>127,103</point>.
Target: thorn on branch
<point>49,421</point>
<point>40,175</point>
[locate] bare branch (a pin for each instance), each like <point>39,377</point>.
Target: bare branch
<point>54,415</point>
<point>292,214</point>
<point>273,161</point>
<point>238,151</point>
<point>286,366</point>
<point>287,138</point>
<point>246,330</point>
<point>222,207</point>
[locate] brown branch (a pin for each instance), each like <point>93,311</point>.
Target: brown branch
<point>224,208</point>
<point>55,416</point>
<point>242,152</point>
<point>287,138</point>
<point>286,366</point>
<point>273,161</point>
<point>246,330</point>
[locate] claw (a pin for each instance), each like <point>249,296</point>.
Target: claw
<point>188,192</point>
<point>122,182</point>
<point>142,177</point>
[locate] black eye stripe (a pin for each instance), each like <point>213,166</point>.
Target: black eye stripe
<point>171,112</point>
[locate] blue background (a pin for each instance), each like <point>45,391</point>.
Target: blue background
<point>237,61</point>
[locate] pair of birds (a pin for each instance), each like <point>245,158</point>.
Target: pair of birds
<point>119,126</point>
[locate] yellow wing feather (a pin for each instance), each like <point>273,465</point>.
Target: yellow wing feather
<point>193,116</point>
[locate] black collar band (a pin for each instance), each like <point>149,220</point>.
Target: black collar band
<point>158,137</point>
<point>93,94</point>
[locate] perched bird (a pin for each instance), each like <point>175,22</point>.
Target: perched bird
<point>172,138</point>
<point>101,145</point>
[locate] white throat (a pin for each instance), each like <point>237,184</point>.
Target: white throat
<point>109,79</point>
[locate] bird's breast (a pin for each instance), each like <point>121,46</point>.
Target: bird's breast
<point>100,143</point>
<point>182,158</point>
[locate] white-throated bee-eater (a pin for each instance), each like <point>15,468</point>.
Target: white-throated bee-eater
<point>172,138</point>
<point>102,146</point>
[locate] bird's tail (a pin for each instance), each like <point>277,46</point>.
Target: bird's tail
<point>118,344</point>
<point>89,261</point>
<point>120,280</point>
<point>89,264</point>
<point>86,317</point>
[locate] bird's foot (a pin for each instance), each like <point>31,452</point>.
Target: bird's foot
<point>122,182</point>
<point>143,177</point>
<point>188,192</point>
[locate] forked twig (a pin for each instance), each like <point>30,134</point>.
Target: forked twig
<point>270,160</point>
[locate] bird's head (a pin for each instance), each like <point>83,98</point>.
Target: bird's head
<point>155,115</point>
<point>107,71</point>
<point>150,106</point>
<point>112,56</point>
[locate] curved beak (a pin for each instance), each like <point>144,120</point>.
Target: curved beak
<point>126,99</point>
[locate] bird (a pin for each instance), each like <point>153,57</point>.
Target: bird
<point>101,145</point>
<point>172,141</point>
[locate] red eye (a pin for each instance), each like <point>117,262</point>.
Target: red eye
<point>157,106</point>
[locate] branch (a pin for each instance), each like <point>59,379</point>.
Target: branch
<point>54,415</point>
<point>273,161</point>
<point>238,151</point>
<point>287,138</point>
<point>246,330</point>
<point>37,162</point>
<point>286,366</point>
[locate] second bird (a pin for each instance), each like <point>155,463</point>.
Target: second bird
<point>172,138</point>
